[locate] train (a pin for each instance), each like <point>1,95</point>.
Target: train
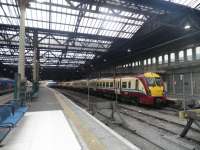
<point>147,88</point>
<point>6,85</point>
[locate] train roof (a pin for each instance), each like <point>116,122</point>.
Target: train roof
<point>105,78</point>
<point>6,79</point>
<point>149,75</point>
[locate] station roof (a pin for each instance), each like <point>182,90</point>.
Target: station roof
<point>71,33</point>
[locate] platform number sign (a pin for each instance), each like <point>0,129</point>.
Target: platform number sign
<point>181,77</point>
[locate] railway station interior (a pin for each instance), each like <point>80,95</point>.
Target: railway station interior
<point>100,74</point>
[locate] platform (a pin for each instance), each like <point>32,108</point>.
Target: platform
<point>55,122</point>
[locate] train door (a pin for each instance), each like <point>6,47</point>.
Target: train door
<point>137,85</point>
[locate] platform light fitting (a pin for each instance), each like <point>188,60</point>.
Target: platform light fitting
<point>104,60</point>
<point>187,27</point>
<point>129,50</point>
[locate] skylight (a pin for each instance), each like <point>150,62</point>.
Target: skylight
<point>70,32</point>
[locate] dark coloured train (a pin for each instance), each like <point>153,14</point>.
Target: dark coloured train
<point>6,85</point>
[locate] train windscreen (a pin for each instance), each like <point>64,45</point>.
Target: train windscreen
<point>154,81</point>
<point>158,81</point>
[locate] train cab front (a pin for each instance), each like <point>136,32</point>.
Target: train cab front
<point>155,89</point>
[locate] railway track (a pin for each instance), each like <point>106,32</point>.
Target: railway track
<point>169,111</point>
<point>162,124</point>
<point>144,116</point>
<point>156,115</point>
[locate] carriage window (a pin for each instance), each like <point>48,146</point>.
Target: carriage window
<point>111,84</point>
<point>129,84</point>
<point>107,84</point>
<point>103,84</point>
<point>97,84</point>
<point>124,84</point>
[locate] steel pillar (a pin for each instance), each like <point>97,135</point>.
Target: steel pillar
<point>35,63</point>
<point>21,62</point>
<point>21,81</point>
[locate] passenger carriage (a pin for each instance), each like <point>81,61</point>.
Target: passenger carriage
<point>6,85</point>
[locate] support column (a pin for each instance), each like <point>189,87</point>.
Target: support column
<point>169,58</point>
<point>35,63</point>
<point>191,80</point>
<point>193,54</point>
<point>21,89</point>
<point>21,62</point>
<point>185,55</point>
<point>173,84</point>
<point>176,57</point>
<point>157,62</point>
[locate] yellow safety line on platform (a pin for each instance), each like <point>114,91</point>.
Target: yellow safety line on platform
<point>89,138</point>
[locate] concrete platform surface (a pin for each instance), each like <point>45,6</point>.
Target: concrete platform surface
<point>42,130</point>
<point>45,102</point>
